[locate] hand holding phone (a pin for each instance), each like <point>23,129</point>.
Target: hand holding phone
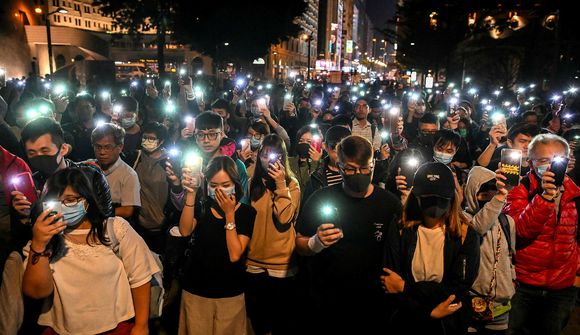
<point>329,214</point>
<point>558,168</point>
<point>409,166</point>
<point>23,183</point>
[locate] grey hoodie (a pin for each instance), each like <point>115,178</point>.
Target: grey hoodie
<point>485,221</point>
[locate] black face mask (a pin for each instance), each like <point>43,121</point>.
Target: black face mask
<point>433,206</point>
<point>427,140</point>
<point>357,183</point>
<point>45,164</point>
<point>302,149</point>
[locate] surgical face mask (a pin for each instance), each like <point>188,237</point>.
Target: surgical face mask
<point>255,144</point>
<point>128,122</point>
<point>302,149</point>
<point>149,145</point>
<point>357,183</point>
<point>540,169</point>
<point>45,164</point>
<point>463,133</point>
<point>74,214</point>
<point>433,206</point>
<point>229,191</point>
<point>442,157</point>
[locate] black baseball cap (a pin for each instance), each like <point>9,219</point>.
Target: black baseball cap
<point>434,179</point>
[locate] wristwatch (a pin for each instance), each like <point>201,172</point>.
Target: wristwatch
<point>230,226</point>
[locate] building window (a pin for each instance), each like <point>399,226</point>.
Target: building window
<point>94,10</point>
<point>94,24</point>
<point>55,2</point>
<point>87,24</point>
<point>78,22</point>
<point>87,9</point>
<point>77,8</point>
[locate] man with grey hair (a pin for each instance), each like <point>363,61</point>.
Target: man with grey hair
<point>548,255</point>
<point>107,141</point>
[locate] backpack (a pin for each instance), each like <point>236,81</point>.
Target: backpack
<point>157,290</point>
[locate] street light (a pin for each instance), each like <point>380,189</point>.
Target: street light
<point>60,10</point>
<point>308,38</point>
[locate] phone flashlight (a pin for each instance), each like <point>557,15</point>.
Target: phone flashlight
<point>199,72</point>
<point>384,135</point>
<point>313,125</point>
<point>472,91</point>
<point>507,103</point>
<point>193,161</point>
<point>273,157</point>
<point>394,111</point>
<point>288,96</point>
<point>123,92</point>
<point>182,72</point>
<point>173,152</point>
<point>318,103</point>
<point>441,115</point>
<point>47,86</point>
<point>268,86</point>
<point>189,121</point>
<point>497,117</point>
<point>105,95</point>
<point>148,81</point>
<point>167,83</point>
<point>134,83</point>
<point>240,82</point>
<point>99,123</point>
<point>15,181</point>
<point>453,101</point>
<point>488,108</point>
<point>117,109</point>
<point>558,159</point>
<point>556,97</point>
<point>170,108</point>
<point>496,93</point>
<point>260,87</point>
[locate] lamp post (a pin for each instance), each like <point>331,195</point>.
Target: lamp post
<point>308,38</point>
<point>60,10</point>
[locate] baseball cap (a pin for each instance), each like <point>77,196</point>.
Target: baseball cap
<point>434,178</point>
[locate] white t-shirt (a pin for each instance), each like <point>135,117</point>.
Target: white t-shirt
<point>429,256</point>
<point>92,286</point>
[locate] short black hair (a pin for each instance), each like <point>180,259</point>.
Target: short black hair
<point>356,149</point>
<point>429,118</point>
<point>108,129</point>
<point>522,128</point>
<point>128,104</point>
<point>446,136</point>
<point>158,129</point>
<point>42,126</point>
<point>260,126</point>
<point>529,113</point>
<point>341,120</point>
<point>307,129</point>
<point>221,104</point>
<point>209,120</point>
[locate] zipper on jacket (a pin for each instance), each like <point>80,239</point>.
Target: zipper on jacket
<point>464,266</point>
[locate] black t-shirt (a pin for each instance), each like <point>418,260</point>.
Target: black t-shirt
<point>348,270</point>
<point>212,274</point>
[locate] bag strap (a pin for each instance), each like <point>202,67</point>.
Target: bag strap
<point>493,283</point>
<point>137,159</point>
<point>505,227</point>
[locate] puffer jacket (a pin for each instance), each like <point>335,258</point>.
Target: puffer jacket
<point>485,221</point>
<point>548,255</point>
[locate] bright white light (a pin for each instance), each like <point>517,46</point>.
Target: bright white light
<point>327,210</point>
<point>394,111</point>
<point>472,91</point>
<point>15,180</point>
<point>521,90</point>
<point>100,123</point>
<point>453,101</point>
<point>313,125</point>
<point>572,89</point>
<point>488,108</point>
<point>167,83</point>
<point>441,115</point>
<point>260,87</point>
<point>173,152</point>
<point>506,103</point>
<point>384,135</point>
<point>134,84</point>
<point>559,159</point>
<point>496,93</point>
<point>532,85</point>
<point>556,97</point>
<point>318,103</point>
<point>59,89</point>
<point>240,82</point>
<point>484,101</point>
<point>451,85</point>
<point>117,108</point>
<point>47,85</point>
<point>413,162</point>
<point>467,80</point>
<point>199,72</point>
<point>497,117</point>
<point>516,154</point>
<point>182,71</point>
<point>272,156</point>
<point>268,86</point>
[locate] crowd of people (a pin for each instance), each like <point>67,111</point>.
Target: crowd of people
<point>287,208</point>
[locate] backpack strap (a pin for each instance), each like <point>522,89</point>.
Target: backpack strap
<point>505,227</point>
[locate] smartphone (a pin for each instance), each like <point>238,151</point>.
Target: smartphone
<point>182,73</point>
<point>273,158</point>
<point>330,215</point>
<point>54,205</point>
<point>511,166</point>
<point>394,114</point>
<point>498,119</point>
<point>23,182</point>
<point>317,142</point>
<point>194,162</point>
<point>189,122</point>
<point>288,98</point>
<point>409,166</point>
<point>261,102</point>
<point>558,167</point>
<point>384,137</point>
<point>244,144</point>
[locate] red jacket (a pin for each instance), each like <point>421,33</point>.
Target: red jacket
<point>547,254</point>
<point>10,165</point>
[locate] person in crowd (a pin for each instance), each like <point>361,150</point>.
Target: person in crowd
<point>415,110</point>
<point>530,117</point>
<point>126,113</point>
<point>433,261</point>
<point>107,141</point>
<point>552,124</point>
<point>156,212</point>
<point>249,146</point>
<point>485,195</point>
<point>445,148</point>
<point>547,266</point>
<point>462,157</point>
<point>233,126</point>
<point>82,111</point>
<point>265,114</point>
<point>208,133</point>
<point>46,150</point>
<point>88,287</point>
<point>344,242</point>
<point>519,137</point>
<point>327,173</point>
<point>342,120</point>
<point>271,266</point>
<point>308,155</point>
<point>213,280</point>
<point>362,127</point>
<point>428,126</point>
<point>8,140</point>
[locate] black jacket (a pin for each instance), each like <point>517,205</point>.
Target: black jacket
<point>461,266</point>
<point>317,181</point>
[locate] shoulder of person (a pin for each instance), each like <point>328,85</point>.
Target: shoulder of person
<point>120,227</point>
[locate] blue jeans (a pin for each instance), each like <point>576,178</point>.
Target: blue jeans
<point>538,311</point>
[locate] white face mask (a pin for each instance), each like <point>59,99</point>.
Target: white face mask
<point>442,157</point>
<point>540,169</point>
<point>150,145</point>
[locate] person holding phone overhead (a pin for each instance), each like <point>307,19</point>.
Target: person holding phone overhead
<point>271,265</point>
<point>308,154</point>
<point>341,231</point>
<point>545,208</point>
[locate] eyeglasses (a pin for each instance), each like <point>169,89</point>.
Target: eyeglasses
<point>542,161</point>
<point>210,136</point>
<point>256,136</point>
<point>149,138</point>
<point>106,148</point>
<point>71,202</point>
<point>426,132</point>
<point>351,171</point>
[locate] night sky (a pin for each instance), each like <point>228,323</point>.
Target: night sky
<point>380,11</point>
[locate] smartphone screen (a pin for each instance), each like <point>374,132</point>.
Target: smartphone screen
<point>287,99</point>
<point>330,215</point>
<point>316,142</point>
<point>23,182</point>
<point>558,167</point>
<point>511,166</point>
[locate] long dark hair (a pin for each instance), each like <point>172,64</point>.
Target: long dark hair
<point>79,182</point>
<point>257,186</point>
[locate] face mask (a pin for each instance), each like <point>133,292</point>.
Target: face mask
<point>434,207</point>
<point>463,133</point>
<point>127,123</point>
<point>442,157</point>
<point>302,149</point>
<point>427,140</point>
<point>150,145</point>
<point>357,183</point>
<point>255,144</point>
<point>45,164</point>
<point>73,215</point>
<point>255,111</point>
<point>540,169</point>
<point>229,191</point>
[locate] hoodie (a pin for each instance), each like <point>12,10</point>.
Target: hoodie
<point>486,223</point>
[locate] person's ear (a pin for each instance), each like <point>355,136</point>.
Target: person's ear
<point>510,144</point>
<point>65,149</point>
